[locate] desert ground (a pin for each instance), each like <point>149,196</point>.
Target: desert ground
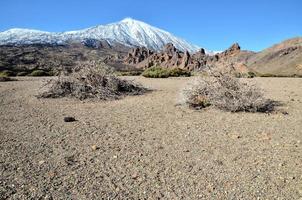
<point>147,146</point>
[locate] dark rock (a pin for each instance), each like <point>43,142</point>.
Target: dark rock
<point>169,49</point>
<point>285,113</point>
<point>69,119</point>
<point>96,44</point>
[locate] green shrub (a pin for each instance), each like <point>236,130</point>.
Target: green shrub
<point>39,73</point>
<point>238,75</point>
<point>176,72</point>
<point>159,72</point>
<point>6,73</point>
<point>251,74</point>
<point>129,73</point>
<point>156,72</point>
<point>21,73</point>
<point>280,76</point>
<point>267,75</point>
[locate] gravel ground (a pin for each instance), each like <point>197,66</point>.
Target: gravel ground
<point>146,147</point>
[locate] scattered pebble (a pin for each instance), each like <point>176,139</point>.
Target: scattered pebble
<point>94,147</point>
<point>41,162</point>
<point>134,176</point>
<point>69,119</point>
<point>285,113</point>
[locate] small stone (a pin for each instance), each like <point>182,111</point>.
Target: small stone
<point>284,113</point>
<point>160,147</point>
<point>94,147</point>
<point>69,119</point>
<point>51,174</point>
<point>282,164</point>
<point>235,135</point>
<point>134,176</point>
<point>41,162</point>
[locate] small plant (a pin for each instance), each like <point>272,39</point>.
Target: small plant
<point>129,73</point>
<point>156,72</point>
<point>91,80</point>
<point>267,75</point>
<point>22,73</point>
<point>177,72</point>
<point>160,72</point>
<point>226,93</point>
<point>251,75</point>
<point>6,78</point>
<point>39,73</point>
<point>6,73</point>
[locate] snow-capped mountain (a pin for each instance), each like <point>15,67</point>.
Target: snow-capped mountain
<point>129,32</point>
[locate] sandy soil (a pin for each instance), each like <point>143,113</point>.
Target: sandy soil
<point>146,147</point>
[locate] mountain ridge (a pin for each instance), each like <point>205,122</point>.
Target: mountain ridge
<point>128,31</point>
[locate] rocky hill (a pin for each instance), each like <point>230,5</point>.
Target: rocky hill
<point>283,59</point>
<point>25,58</point>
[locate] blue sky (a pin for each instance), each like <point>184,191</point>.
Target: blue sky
<point>215,25</point>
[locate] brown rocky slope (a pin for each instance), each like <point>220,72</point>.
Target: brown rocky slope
<point>283,59</point>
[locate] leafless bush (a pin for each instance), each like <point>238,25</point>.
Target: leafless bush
<point>91,80</point>
<point>225,92</point>
<point>6,79</point>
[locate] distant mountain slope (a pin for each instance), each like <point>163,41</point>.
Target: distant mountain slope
<point>284,58</point>
<point>128,32</point>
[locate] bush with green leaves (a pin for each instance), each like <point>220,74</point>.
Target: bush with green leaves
<point>39,72</point>
<point>129,73</point>
<point>251,75</point>
<point>156,72</point>
<point>6,73</point>
<point>177,72</point>
<point>160,72</point>
<point>22,74</point>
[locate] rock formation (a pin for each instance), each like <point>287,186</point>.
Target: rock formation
<point>170,57</point>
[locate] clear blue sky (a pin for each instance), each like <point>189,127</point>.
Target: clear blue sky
<point>255,24</point>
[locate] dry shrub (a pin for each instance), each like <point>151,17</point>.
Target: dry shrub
<point>227,93</point>
<point>6,79</point>
<point>91,80</point>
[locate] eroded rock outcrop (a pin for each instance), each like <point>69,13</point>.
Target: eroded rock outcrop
<point>137,55</point>
<point>171,57</point>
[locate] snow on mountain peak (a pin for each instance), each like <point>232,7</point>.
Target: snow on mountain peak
<point>129,19</point>
<point>128,31</point>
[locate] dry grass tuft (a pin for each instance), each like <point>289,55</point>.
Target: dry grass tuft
<point>225,92</point>
<point>91,80</point>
